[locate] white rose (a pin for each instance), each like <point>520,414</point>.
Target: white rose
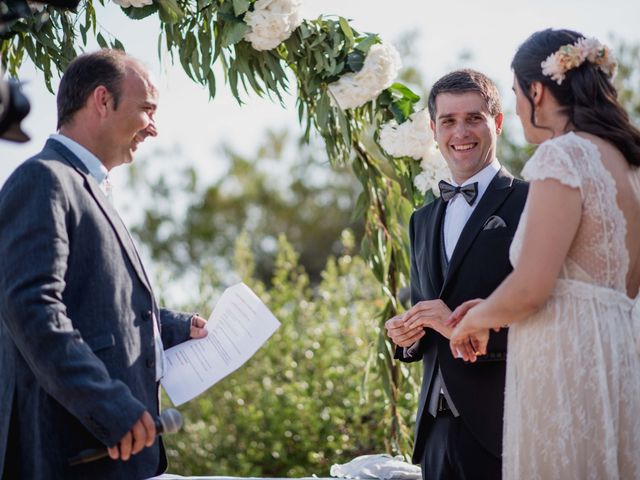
<point>411,139</point>
<point>380,69</point>
<point>414,139</point>
<point>272,22</point>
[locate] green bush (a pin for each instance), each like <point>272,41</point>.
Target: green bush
<point>306,400</point>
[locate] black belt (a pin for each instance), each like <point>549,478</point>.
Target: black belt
<point>443,405</point>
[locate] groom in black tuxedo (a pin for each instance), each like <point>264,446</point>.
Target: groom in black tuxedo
<point>460,251</point>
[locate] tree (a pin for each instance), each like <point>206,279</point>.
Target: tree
<point>302,403</point>
<point>308,203</point>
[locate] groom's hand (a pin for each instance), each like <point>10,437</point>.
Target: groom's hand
<point>430,314</point>
<point>400,334</point>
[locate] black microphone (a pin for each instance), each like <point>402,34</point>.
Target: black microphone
<point>169,421</point>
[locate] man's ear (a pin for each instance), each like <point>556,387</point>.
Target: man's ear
<point>433,128</point>
<point>101,100</point>
<point>498,119</point>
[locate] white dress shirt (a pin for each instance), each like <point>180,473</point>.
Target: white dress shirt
<point>458,210</point>
<point>456,216</point>
<point>97,170</point>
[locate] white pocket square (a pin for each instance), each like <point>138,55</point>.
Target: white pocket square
<point>494,221</point>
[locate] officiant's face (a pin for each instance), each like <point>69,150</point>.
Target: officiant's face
<point>132,121</point>
<point>466,132</point>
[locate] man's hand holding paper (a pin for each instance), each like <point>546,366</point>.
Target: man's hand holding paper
<point>238,326</point>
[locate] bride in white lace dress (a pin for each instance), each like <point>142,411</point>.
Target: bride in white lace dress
<point>572,407</point>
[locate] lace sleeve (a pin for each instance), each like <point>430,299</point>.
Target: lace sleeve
<point>553,161</point>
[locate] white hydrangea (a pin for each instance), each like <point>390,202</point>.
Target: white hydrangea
<point>380,69</point>
<point>434,168</point>
<point>414,139</point>
<point>133,3</point>
<point>410,139</point>
<point>271,22</point>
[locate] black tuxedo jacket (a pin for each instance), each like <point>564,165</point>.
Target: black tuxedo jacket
<point>479,263</point>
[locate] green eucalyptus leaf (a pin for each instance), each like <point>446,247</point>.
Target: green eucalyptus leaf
<point>138,13</point>
<point>322,110</point>
<point>196,67</point>
<point>226,15</point>
<point>344,127</point>
<point>346,29</point>
<point>170,11</point>
<point>211,84</point>
<point>117,44</point>
<point>240,6</point>
<point>204,41</point>
<point>385,99</point>
<point>233,83</point>
<point>365,44</point>
<point>401,110</point>
<point>233,32</point>
<point>405,92</point>
<point>362,205</point>
<point>101,41</point>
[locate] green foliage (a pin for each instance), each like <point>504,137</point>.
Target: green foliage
<point>309,203</point>
<point>304,401</point>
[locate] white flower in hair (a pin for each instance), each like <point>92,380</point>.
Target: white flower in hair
<point>380,69</point>
<point>573,55</point>
<point>272,22</point>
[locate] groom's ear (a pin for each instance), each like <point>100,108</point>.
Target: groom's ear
<point>498,119</point>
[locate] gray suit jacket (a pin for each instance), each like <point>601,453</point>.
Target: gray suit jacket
<point>77,359</point>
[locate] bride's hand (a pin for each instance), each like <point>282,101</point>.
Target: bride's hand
<point>461,310</point>
<point>468,340</point>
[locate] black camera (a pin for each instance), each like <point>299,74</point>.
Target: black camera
<point>14,106</point>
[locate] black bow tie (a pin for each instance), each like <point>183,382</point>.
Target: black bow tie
<point>448,191</point>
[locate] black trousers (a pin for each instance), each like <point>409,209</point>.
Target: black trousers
<point>451,452</point>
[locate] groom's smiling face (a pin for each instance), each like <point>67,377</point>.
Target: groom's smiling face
<point>466,133</point>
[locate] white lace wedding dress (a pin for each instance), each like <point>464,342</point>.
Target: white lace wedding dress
<point>572,401</point>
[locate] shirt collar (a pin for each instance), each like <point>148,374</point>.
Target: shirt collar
<point>484,177</point>
<point>97,170</point>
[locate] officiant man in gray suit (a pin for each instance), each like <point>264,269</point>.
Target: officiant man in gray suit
<point>460,251</point>
<point>81,335</point>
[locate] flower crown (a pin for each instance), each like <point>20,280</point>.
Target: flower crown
<point>573,55</point>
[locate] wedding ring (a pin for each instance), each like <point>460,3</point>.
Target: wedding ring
<point>476,353</point>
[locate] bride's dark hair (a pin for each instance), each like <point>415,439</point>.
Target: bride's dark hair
<point>589,98</point>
